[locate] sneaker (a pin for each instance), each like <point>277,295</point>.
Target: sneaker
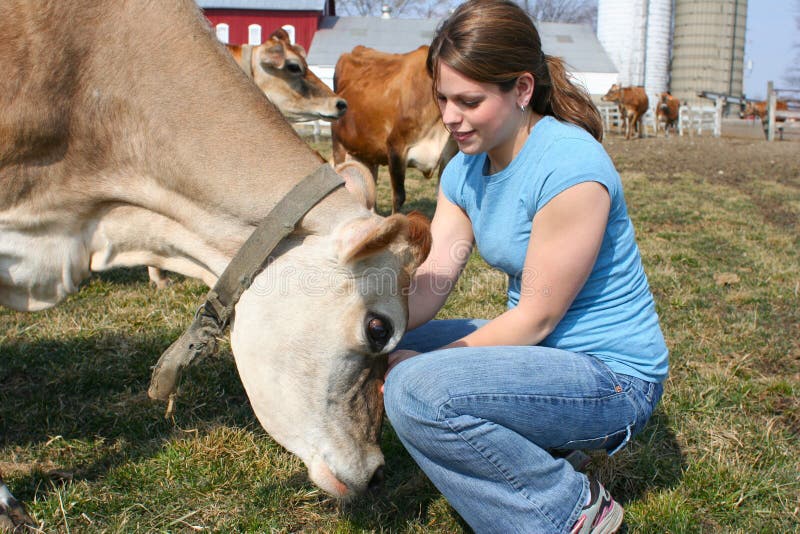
<point>603,515</point>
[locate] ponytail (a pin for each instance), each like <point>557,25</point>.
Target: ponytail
<point>495,41</point>
<point>555,94</point>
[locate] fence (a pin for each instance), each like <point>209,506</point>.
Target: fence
<point>697,119</point>
<point>691,120</point>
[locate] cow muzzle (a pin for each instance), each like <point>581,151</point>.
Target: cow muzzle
<point>347,486</point>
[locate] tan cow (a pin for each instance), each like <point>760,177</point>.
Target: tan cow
<point>667,112</point>
<point>171,159</point>
<point>758,108</point>
<point>280,69</point>
<point>392,118</point>
<point>633,103</point>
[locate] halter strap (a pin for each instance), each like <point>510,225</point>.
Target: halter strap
<point>213,317</point>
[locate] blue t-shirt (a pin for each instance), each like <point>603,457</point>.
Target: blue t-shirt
<point>613,317</point>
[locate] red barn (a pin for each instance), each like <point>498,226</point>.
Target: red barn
<point>252,21</point>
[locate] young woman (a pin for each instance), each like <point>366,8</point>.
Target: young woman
<point>578,358</point>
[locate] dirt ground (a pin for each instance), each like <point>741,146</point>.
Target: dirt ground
<point>725,158</point>
<point>745,164</point>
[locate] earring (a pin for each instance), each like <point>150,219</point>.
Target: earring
<point>522,108</point>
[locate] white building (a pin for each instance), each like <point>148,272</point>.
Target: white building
<point>585,58</point>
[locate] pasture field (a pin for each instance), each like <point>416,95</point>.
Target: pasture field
<point>718,223</point>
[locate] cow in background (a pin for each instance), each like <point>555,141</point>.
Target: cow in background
<point>392,118</point>
<point>279,68</point>
<point>760,109</point>
<point>633,104</point>
<point>667,112</point>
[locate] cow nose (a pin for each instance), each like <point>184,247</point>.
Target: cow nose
<point>376,482</point>
<point>341,105</point>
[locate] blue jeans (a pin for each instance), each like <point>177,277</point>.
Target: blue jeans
<point>480,422</point>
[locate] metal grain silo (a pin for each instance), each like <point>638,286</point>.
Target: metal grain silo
<point>620,29</point>
<point>636,35</point>
<point>658,46</point>
<point>708,48</point>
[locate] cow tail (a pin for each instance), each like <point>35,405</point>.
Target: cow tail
<point>566,101</point>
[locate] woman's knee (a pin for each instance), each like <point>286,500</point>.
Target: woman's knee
<point>410,399</point>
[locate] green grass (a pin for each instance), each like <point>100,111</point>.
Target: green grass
<point>717,223</point>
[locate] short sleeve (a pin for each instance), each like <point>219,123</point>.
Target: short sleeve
<point>452,180</point>
<point>568,162</point>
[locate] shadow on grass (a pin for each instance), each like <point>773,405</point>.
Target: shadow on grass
<point>654,460</point>
<point>129,277</point>
<point>81,403</point>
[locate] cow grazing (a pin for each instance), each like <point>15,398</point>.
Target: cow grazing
<point>392,118</point>
<point>171,159</point>
<point>280,69</point>
<point>667,112</point>
<point>633,103</point>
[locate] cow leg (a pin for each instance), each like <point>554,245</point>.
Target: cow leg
<point>13,517</point>
<point>338,151</point>
<point>158,277</point>
<point>627,126</point>
<point>397,173</point>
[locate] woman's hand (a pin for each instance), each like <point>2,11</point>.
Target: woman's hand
<point>399,356</point>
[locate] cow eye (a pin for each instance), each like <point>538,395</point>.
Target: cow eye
<point>294,68</point>
<point>379,331</point>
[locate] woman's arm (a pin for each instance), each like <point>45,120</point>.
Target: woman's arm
<point>452,240</point>
<point>565,239</point>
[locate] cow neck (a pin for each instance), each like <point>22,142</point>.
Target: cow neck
<point>213,317</point>
<point>247,59</point>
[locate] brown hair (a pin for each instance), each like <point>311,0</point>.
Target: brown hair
<point>495,41</point>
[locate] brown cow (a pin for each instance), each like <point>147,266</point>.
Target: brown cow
<point>667,112</point>
<point>633,103</point>
<point>758,108</point>
<point>392,118</point>
<point>280,69</point>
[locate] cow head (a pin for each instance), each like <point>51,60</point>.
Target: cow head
<point>663,103</point>
<point>754,109</point>
<point>613,94</point>
<point>280,70</point>
<point>335,305</point>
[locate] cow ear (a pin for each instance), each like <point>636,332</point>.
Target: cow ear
<point>419,236</point>
<point>298,48</point>
<point>370,236</point>
<point>274,56</point>
<point>359,182</point>
<point>281,35</point>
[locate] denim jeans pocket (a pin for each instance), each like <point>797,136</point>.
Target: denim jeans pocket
<point>644,395</point>
<point>611,442</point>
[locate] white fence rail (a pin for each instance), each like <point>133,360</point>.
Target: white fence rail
<point>697,119</point>
<point>692,120</point>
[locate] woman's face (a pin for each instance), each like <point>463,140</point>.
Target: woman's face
<point>480,117</point>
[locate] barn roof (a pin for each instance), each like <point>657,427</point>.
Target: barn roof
<point>271,5</point>
<point>576,43</point>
